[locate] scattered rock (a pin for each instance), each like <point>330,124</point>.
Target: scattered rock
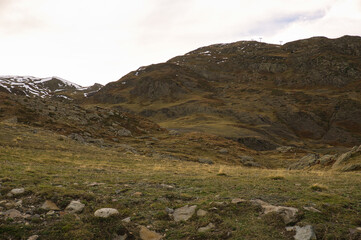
<point>124,133</point>
<point>244,158</point>
<point>312,209</point>
<point>284,149</point>
<point>173,133</point>
<point>166,186</point>
<point>17,191</point>
<point>49,205</point>
<point>120,237</point>
<point>75,207</point>
<point>105,212</point>
<point>206,228</point>
<point>345,157</point>
<point>146,234</point>
<point>327,159</point>
<point>288,214</point>
<point>201,213</point>
<point>137,194</point>
<point>50,213</point>
<point>184,213</point>
<point>34,237</point>
<point>303,233</point>
<point>306,161</point>
<point>352,167</point>
<point>94,184</point>
<point>223,150</point>
<point>205,161</point>
<point>12,213</point>
<point>237,200</point>
<point>126,220</point>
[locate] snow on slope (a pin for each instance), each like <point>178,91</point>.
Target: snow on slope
<point>42,87</point>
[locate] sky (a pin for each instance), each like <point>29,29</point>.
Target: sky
<point>99,41</point>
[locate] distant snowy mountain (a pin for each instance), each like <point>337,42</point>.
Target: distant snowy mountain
<point>43,87</point>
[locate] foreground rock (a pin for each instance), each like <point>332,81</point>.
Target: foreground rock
<point>288,214</point>
<point>146,234</point>
<point>49,205</point>
<point>343,158</point>
<point>206,228</point>
<point>105,212</point>
<point>184,213</point>
<point>75,207</point>
<point>303,233</point>
<point>13,214</point>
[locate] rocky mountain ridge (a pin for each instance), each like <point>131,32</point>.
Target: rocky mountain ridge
<point>302,93</point>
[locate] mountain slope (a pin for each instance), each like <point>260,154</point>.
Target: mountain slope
<point>44,87</point>
<point>303,93</point>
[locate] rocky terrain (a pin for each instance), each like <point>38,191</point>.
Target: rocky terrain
<point>302,93</point>
<point>245,140</point>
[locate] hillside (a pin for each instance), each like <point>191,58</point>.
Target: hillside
<point>304,93</point>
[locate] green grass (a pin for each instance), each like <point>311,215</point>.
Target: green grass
<point>64,173</point>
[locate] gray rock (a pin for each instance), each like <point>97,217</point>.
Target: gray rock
<point>284,149</point>
<point>105,212</point>
<point>312,209</point>
<point>306,161</point>
<point>201,213</point>
<point>205,161</point>
<point>12,213</point>
<point>327,159</point>
<point>120,237</point>
<point>126,220</point>
<point>223,150</point>
<point>288,214</point>
<point>75,207</point>
<point>184,213</point>
<point>124,133</point>
<point>237,200</point>
<point>303,233</point>
<point>206,228</point>
<point>345,157</point>
<point>244,158</point>
<point>169,210</point>
<point>17,191</point>
<point>34,237</point>
<point>352,167</point>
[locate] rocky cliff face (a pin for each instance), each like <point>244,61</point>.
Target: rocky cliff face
<point>304,92</point>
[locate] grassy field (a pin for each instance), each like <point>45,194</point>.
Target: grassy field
<point>51,167</point>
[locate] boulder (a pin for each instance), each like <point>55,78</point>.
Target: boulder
<point>201,213</point>
<point>105,212</point>
<point>124,133</point>
<point>12,213</point>
<point>75,207</point>
<point>346,156</point>
<point>184,213</point>
<point>288,214</point>
<point>303,233</point>
<point>327,159</point>
<point>306,161</point>
<point>17,191</point>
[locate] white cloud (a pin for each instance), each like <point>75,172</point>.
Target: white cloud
<point>89,41</point>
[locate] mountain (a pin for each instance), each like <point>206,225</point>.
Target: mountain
<point>44,87</point>
<point>304,93</point>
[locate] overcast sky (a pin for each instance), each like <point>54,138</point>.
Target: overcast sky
<point>88,41</point>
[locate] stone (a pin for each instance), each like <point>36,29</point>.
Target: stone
<point>206,228</point>
<point>288,214</point>
<point>12,213</point>
<point>137,194</point>
<point>146,234</point>
<point>345,157</point>
<point>306,161</point>
<point>205,161</point>
<point>303,233</point>
<point>105,212</point>
<point>17,191</point>
<point>312,209</point>
<point>49,205</point>
<point>126,220</point>
<point>124,133</point>
<point>284,149</point>
<point>184,213</point>
<point>244,158</point>
<point>120,237</point>
<point>33,237</point>
<point>237,200</point>
<point>169,210</point>
<point>75,207</point>
<point>201,213</point>
<point>352,167</point>
<point>223,150</point>
<point>327,159</point>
